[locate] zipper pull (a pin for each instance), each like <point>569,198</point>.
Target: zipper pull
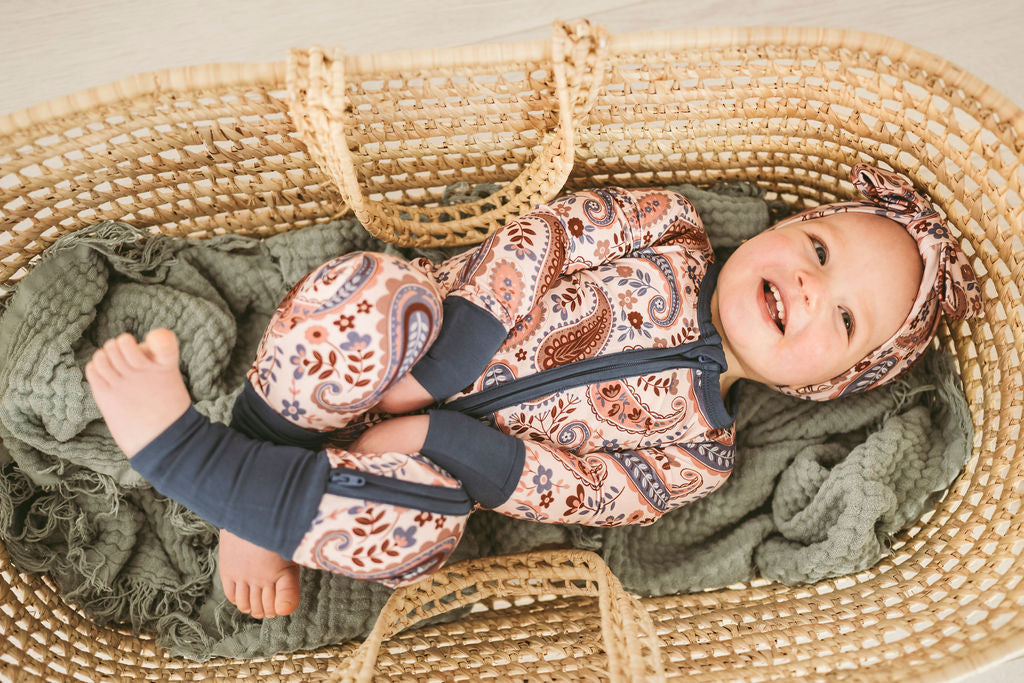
<point>347,479</point>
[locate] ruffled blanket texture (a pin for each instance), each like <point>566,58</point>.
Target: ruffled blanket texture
<point>818,490</point>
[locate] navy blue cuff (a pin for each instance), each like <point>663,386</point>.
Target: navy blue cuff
<point>265,493</point>
<point>254,418</point>
<point>489,463</point>
<point>468,339</point>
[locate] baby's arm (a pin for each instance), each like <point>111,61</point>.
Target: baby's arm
<point>542,483</point>
<point>513,269</point>
<point>406,396</point>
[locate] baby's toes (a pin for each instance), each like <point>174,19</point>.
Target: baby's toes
<point>163,345</point>
<point>256,601</point>
<point>268,602</point>
<point>241,599</point>
<point>131,351</point>
<point>93,377</point>
<point>115,356</point>
<point>286,594</point>
<point>229,588</point>
<point>101,367</point>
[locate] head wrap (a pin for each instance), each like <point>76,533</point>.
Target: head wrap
<point>948,283</point>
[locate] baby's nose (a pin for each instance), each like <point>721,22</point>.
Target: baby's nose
<point>808,289</point>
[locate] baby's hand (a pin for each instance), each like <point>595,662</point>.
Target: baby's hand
<point>406,396</point>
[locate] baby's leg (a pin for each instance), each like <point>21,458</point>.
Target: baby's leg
<point>388,517</point>
<point>343,336</point>
<point>404,317</point>
<point>140,393</point>
<point>408,530</point>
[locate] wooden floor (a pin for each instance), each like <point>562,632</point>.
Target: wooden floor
<point>50,49</point>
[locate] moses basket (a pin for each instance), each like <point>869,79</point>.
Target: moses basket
<point>260,149</point>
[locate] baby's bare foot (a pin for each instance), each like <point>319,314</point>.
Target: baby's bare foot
<point>257,581</point>
<point>138,387</point>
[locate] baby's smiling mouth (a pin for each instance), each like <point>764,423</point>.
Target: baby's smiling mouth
<point>773,302</point>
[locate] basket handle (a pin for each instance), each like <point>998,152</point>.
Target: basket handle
<point>630,640</point>
<point>316,85</point>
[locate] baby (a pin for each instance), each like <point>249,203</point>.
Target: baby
<point>576,364</point>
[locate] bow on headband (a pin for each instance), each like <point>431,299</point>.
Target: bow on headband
<point>948,284</point>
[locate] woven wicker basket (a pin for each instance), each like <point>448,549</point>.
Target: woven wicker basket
<point>259,149</point>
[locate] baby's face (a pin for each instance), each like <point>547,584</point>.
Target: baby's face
<point>845,282</point>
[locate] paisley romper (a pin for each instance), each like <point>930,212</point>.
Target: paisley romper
<point>575,366</point>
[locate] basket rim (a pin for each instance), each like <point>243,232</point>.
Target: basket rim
<point>220,74</point>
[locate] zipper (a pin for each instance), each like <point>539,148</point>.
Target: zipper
<point>344,481</point>
<point>347,480</point>
<point>704,355</point>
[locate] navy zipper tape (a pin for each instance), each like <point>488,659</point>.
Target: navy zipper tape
<point>613,366</point>
<point>706,354</point>
<point>707,289</point>
<point>377,488</point>
<point>717,412</point>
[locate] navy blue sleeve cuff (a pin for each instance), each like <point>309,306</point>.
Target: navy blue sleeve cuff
<point>254,418</point>
<point>469,338</point>
<point>489,463</point>
<point>267,494</point>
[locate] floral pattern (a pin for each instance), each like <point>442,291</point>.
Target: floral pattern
<point>388,543</point>
<point>343,336</point>
<point>606,270</point>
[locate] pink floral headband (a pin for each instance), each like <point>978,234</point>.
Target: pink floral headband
<point>948,284</point>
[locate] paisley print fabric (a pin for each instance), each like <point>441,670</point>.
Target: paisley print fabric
<point>388,543</point>
<point>340,338</point>
<point>948,284</point>
<point>594,273</point>
<point>343,336</point>
<point>589,274</point>
<point>578,340</point>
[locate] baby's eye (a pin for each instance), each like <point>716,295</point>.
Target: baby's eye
<point>820,250</point>
<point>848,321</point>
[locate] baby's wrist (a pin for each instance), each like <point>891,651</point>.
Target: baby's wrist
<point>406,396</point>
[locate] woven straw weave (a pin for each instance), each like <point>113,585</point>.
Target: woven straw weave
<point>258,149</point>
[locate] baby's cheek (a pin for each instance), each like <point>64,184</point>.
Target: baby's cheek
<point>808,363</point>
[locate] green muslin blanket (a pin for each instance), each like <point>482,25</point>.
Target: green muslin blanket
<point>818,489</point>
